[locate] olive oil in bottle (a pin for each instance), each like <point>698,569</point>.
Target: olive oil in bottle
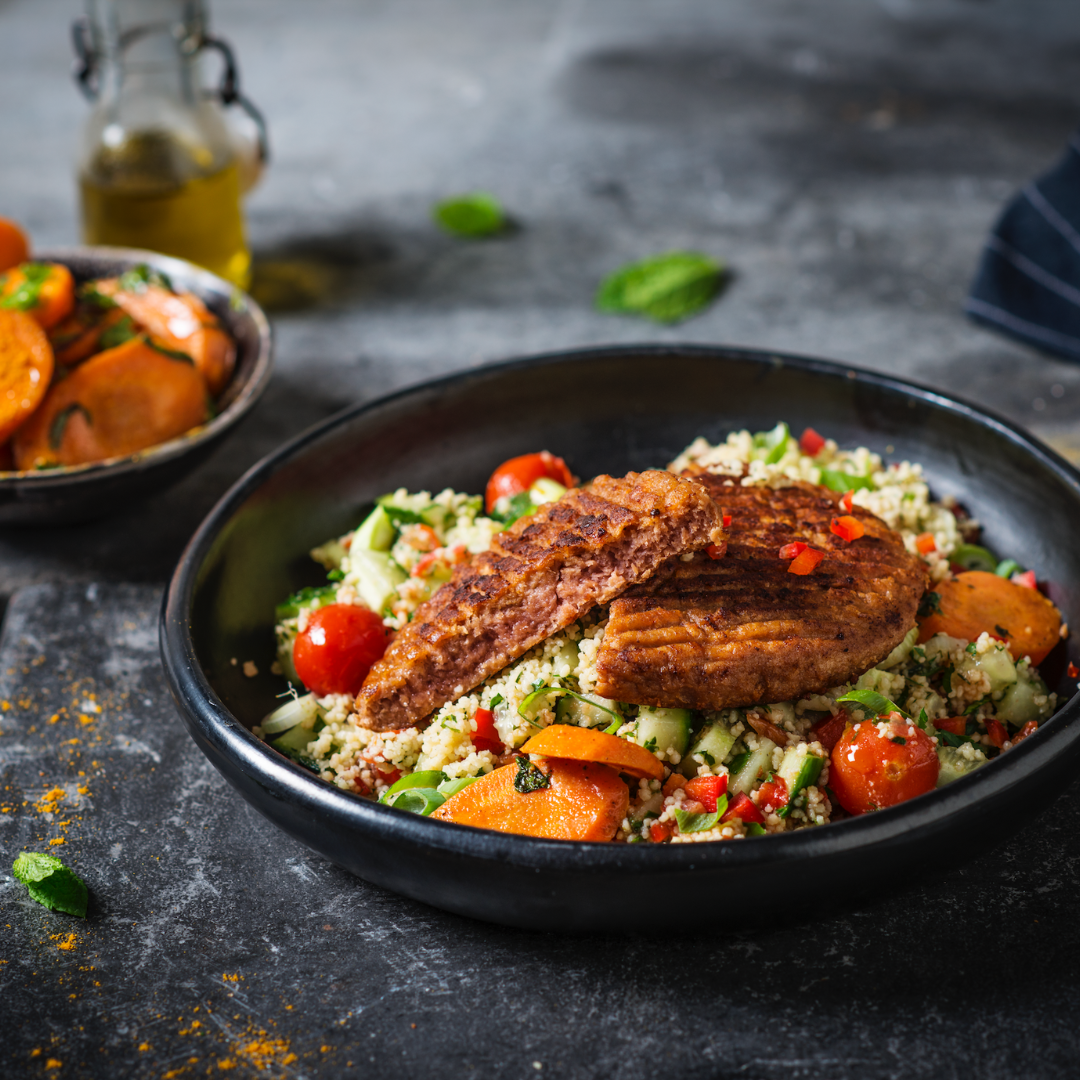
<point>158,168</point>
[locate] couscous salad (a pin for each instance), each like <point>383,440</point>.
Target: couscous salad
<point>803,634</point>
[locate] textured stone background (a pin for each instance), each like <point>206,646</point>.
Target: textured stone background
<point>846,158</point>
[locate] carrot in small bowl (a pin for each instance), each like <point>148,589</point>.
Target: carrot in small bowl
<point>116,403</point>
<point>44,290</point>
<point>588,744</point>
<point>26,366</point>
<point>579,800</point>
<point>14,246</point>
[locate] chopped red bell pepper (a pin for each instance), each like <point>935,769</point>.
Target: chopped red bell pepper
<point>847,528</point>
<point>1072,670</point>
<point>806,561</point>
<point>828,731</point>
<point>486,735</point>
<point>716,551</point>
<point>996,730</point>
<point>726,520</point>
<point>1028,729</point>
<point>706,790</point>
<point>924,543</point>
<point>811,443</point>
<point>845,501</point>
<point>954,725</point>
<point>789,551</point>
<point>659,831</point>
<point>742,806</point>
<point>1027,579</point>
<point>773,795</point>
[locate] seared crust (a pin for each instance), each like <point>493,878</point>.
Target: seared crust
<point>539,576</point>
<point>742,630</point>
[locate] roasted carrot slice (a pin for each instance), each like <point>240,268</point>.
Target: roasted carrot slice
<point>587,744</point>
<point>977,602</point>
<point>90,329</point>
<point>180,321</point>
<point>14,247</point>
<point>44,290</point>
<point>116,403</point>
<point>582,800</point>
<point>26,366</point>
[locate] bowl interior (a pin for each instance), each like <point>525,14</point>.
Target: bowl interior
<point>603,411</point>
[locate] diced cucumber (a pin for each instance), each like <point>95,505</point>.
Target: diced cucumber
<point>663,730</point>
<point>376,533</point>
<point>329,554</point>
<point>295,740</point>
<point>546,490</point>
<point>285,657</point>
<point>294,711</point>
<point>588,710</point>
<point>998,667</point>
<point>756,764</point>
<point>435,515</point>
<point>798,771</point>
<point>1017,705</point>
<point>565,661</point>
<point>881,682</point>
<point>954,764</point>
<point>377,577</point>
<point>902,651</point>
<point>713,743</point>
<point>311,598</point>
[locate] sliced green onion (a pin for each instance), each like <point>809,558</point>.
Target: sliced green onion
<point>417,800</point>
<point>973,557</point>
<point>1007,567</point>
<point>430,778</point>
<point>452,787</point>
<point>544,691</point>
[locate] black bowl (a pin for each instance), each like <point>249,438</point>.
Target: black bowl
<point>84,492</point>
<point>606,410</point>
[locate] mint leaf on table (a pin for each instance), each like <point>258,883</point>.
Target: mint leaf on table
<point>474,216</point>
<point>51,883</point>
<point>666,288</point>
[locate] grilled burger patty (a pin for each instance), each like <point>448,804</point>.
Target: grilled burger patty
<point>742,630</point>
<point>539,576</point>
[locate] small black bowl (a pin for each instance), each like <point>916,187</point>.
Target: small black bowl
<point>84,492</point>
<point>604,410</point>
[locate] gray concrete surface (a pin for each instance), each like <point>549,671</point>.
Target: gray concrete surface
<point>846,159</point>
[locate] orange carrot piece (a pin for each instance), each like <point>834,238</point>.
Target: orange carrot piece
<point>977,602</point>
<point>180,321</point>
<point>44,290</point>
<point>14,246</point>
<point>78,337</point>
<point>583,801</point>
<point>118,402</point>
<point>26,366</point>
<point>587,744</point>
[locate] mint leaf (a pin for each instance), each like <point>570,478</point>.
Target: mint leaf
<point>51,883</point>
<point>872,702</point>
<point>689,823</point>
<point>475,215</point>
<point>666,288</point>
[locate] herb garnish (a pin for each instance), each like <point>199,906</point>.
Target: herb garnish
<point>123,331</point>
<point>666,288</point>
<point>139,277</point>
<point>530,777</point>
<point>51,883</point>
<point>1002,632</point>
<point>930,605</point>
<point>474,216</point>
<point>27,293</point>
<point>60,421</point>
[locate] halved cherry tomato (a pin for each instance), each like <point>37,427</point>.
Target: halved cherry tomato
<point>486,736</point>
<point>806,561</point>
<point>742,806</point>
<point>773,795</point>
<point>706,790</point>
<point>811,443</point>
<point>870,770</point>
<point>519,474</point>
<point>336,649</point>
<point>847,528</point>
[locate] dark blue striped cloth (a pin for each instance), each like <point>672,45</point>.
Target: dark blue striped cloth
<point>1028,284</point>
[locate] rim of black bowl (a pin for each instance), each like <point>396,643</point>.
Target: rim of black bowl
<point>291,783</point>
<point>242,400</point>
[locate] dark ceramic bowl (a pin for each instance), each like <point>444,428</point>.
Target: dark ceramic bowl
<point>62,496</point>
<point>604,410</point>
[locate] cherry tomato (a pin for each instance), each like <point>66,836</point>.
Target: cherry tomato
<point>871,770</point>
<point>520,473</point>
<point>337,648</point>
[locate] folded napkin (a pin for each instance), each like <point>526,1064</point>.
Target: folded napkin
<point>1028,284</point>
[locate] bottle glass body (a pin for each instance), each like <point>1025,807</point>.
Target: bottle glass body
<point>158,169</point>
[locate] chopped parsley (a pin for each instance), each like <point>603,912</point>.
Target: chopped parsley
<point>1001,631</point>
<point>931,605</point>
<point>530,777</point>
